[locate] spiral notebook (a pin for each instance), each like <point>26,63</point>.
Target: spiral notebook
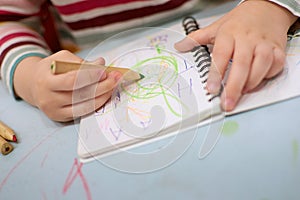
<point>172,97</point>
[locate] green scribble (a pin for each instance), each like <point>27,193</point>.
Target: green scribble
<point>229,128</point>
<point>165,75</point>
<point>168,103</point>
<point>158,49</point>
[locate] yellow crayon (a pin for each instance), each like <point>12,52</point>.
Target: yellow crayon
<point>60,67</point>
<point>7,133</point>
<point>5,146</point>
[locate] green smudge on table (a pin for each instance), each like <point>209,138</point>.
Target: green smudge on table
<point>229,128</point>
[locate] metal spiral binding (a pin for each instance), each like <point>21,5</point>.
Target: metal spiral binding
<point>201,53</point>
<point>189,24</point>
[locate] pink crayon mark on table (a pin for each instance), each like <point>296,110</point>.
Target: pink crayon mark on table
<point>44,159</point>
<point>44,195</point>
<point>18,164</point>
<point>76,171</point>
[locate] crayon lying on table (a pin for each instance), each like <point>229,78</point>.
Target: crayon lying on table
<point>7,133</point>
<point>5,147</point>
<point>59,67</point>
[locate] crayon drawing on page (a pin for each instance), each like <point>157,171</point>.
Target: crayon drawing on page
<point>166,84</point>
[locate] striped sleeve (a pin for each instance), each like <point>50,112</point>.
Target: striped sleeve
<point>292,5</point>
<point>94,20</point>
<point>17,41</point>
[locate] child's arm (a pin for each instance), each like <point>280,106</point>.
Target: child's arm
<point>254,36</point>
<point>25,68</point>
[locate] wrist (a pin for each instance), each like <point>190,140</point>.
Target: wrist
<point>24,77</point>
<point>276,9</point>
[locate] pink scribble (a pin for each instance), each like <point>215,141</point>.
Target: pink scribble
<point>104,124</point>
<point>18,164</point>
<point>76,171</point>
<point>44,159</point>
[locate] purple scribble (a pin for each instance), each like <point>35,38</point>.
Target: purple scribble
<point>116,133</point>
<point>189,87</point>
<point>187,67</point>
<point>145,124</point>
<point>100,110</point>
<point>117,98</point>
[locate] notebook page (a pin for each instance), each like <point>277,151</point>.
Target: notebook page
<point>170,93</point>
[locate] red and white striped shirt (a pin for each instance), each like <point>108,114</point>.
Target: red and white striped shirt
<point>80,22</point>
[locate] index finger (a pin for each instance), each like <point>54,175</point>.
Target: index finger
<point>242,59</point>
<point>77,79</point>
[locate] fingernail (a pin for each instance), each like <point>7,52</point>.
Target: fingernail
<point>115,75</point>
<point>185,44</point>
<point>213,87</point>
<point>118,77</point>
<point>180,41</point>
<point>102,74</point>
<point>228,104</point>
<point>98,61</point>
<point>101,61</point>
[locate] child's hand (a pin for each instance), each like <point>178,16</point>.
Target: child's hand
<point>254,36</point>
<point>66,96</point>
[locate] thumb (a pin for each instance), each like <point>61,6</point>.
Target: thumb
<point>200,37</point>
<point>98,61</point>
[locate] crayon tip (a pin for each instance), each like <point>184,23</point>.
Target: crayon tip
<point>142,76</point>
<point>14,138</point>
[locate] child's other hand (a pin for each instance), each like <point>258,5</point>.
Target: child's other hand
<point>254,36</point>
<point>63,97</point>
